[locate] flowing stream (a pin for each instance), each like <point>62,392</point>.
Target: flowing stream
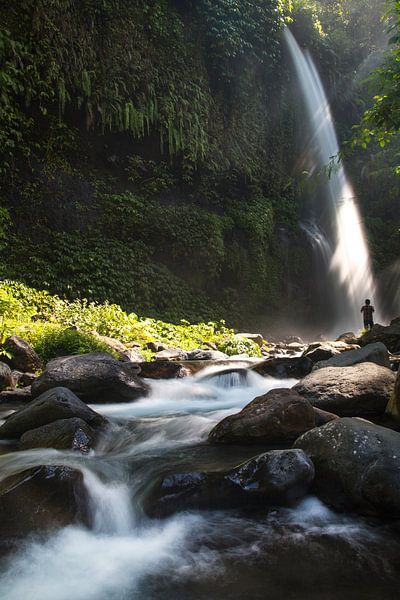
<point>349,277</point>
<point>303,552</point>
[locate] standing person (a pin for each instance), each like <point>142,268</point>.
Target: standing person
<point>368,315</point>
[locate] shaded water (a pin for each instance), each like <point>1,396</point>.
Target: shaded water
<point>303,552</point>
<point>349,277</point>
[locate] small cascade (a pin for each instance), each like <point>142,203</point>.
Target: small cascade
<point>352,279</point>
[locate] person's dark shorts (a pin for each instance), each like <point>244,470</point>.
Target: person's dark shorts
<point>368,324</point>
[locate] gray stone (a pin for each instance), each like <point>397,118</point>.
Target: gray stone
<point>357,465</point>
<point>96,377</point>
<point>390,336</point>
<point>361,390</point>
<point>57,403</point>
<point>374,353</point>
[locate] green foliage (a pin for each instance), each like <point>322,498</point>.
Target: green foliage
<point>239,345</point>
<point>51,340</point>
<point>56,327</point>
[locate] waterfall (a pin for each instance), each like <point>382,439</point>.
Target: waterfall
<point>350,275</point>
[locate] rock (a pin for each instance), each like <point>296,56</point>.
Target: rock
<point>389,336</point>
<point>374,353</point>
<point>170,354</point>
<point>204,355</point>
<point>95,377</point>
<point>276,477</point>
<point>257,338</point>
<point>285,368</point>
<point>55,404</point>
<point>19,395</point>
<point>163,369</point>
<point>124,353</point>
<point>6,378</point>
<point>348,338</point>
<point>357,465</point>
<point>360,390</point>
<point>323,352</point>
<point>393,407</point>
<point>42,499</point>
<point>279,416</point>
<point>23,356</point>
<point>322,417</point>
<point>64,434</point>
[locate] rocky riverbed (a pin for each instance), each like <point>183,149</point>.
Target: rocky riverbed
<point>252,478</point>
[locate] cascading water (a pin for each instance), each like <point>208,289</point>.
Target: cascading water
<point>127,556</point>
<point>352,280</point>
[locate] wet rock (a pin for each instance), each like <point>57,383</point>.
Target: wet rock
<point>277,417</point>
<point>42,499</point>
<point>6,378</point>
<point>163,369</point>
<point>285,368</point>
<point>96,377</point>
<point>257,338</point>
<point>64,434</point>
<point>156,346</point>
<point>361,390</point>
<point>389,336</point>
<point>357,465</point>
<point>23,356</point>
<point>27,378</point>
<point>55,404</point>
<point>374,353</point>
<point>276,477</point>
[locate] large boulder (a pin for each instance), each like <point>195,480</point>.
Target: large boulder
<point>357,465</point>
<point>42,499</point>
<point>64,434</point>
<point>390,336</point>
<point>285,367</point>
<point>55,404</point>
<point>95,377</point>
<point>374,353</point>
<point>23,356</point>
<point>362,390</point>
<point>348,338</point>
<point>257,338</point>
<point>279,416</point>
<point>6,378</point>
<point>163,369</point>
<point>278,477</point>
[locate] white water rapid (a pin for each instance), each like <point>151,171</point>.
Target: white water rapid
<point>280,553</point>
<point>350,265</point>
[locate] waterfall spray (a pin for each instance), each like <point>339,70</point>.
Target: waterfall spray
<point>351,279</point>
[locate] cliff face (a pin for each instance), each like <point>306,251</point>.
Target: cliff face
<point>144,153</point>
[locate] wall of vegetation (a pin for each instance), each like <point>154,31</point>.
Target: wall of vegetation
<point>147,150</point>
